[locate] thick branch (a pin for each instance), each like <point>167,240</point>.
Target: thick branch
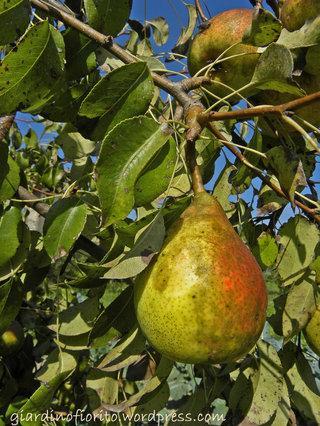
<point>265,179</point>
<point>83,243</point>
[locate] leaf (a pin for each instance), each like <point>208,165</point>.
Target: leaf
<point>299,238</point>
<point>9,234</point>
<point>308,35</point>
<point>290,177</point>
<point>269,201</point>
<point>91,277</point>
<point>264,30</point>
<point>242,177</point>
<point>274,70</point>
<point>116,319</point>
<point>9,174</point>
<point>41,399</point>
<point>74,145</point>
<point>125,152</point>
<point>268,393</point>
<point>127,351</point>
<point>80,54</point>
<point>184,40</point>
<point>108,16</point>
<point>222,189</point>
<point>63,225</point>
<point>123,93</point>
<point>156,178</point>
<point>78,319</point>
<point>160,30</point>
<point>11,297</point>
<point>266,250</point>
<point>21,72</point>
<point>303,389</point>
<point>14,19</point>
<point>162,372</point>
<point>101,387</point>
<point>10,268</point>
<point>299,307</point>
<point>148,243</point>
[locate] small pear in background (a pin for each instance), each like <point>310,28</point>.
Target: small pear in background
<point>203,300</point>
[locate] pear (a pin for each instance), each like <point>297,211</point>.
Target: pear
<point>11,340</point>
<point>203,300</point>
<point>294,13</point>
<point>220,33</point>
<point>312,332</point>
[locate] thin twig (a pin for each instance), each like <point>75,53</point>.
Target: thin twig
<point>200,11</point>
<point>265,179</point>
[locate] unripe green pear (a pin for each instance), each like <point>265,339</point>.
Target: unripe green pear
<point>203,300</point>
<point>312,332</point>
<point>12,339</point>
<point>294,13</point>
<point>222,32</point>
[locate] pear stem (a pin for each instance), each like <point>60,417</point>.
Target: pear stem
<point>193,133</point>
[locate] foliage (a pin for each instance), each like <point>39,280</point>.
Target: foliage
<point>109,170</point>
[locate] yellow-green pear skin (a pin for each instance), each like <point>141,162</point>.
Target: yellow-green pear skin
<point>203,300</point>
<point>312,332</point>
<point>294,13</point>
<point>223,36</point>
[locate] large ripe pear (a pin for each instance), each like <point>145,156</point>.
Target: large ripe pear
<point>312,332</point>
<point>223,31</point>
<point>294,13</point>
<point>204,298</point>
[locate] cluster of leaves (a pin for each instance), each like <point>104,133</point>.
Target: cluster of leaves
<point>110,182</point>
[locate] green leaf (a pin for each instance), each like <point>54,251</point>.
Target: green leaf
<point>101,387</point>
<point>274,70</point>
<point>123,93</point>
<point>184,40</point>
<point>299,307</point>
<point>116,319</point>
<point>9,174</point>
<point>14,19</point>
<point>160,30</point>
<point>148,242</point>
<point>268,393</point>
<point>299,238</point>
<point>9,268</point>
<point>30,73</point>
<point>303,389</point>
<point>80,54</point>
<point>156,178</point>
<point>91,274</point>
<point>125,152</point>
<point>308,35</point>
<point>108,16</point>
<point>9,234</point>
<point>266,250</point>
<point>41,400</point>
<point>290,177</point>
<point>162,372</point>
<point>74,145</point>
<point>264,30</point>
<point>269,201</point>
<point>127,352</point>
<point>222,189</point>
<point>78,319</point>
<point>63,226</point>
<point>11,297</point>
